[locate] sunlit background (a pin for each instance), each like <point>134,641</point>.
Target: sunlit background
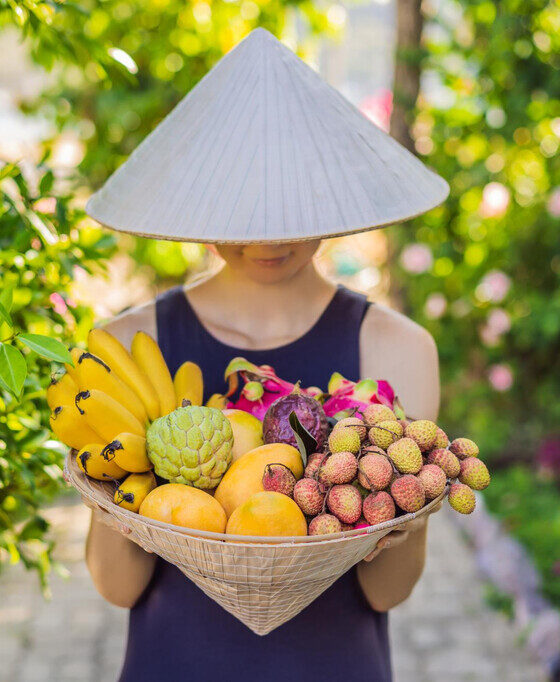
<point>470,86</point>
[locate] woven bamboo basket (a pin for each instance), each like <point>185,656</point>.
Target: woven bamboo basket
<point>261,583</point>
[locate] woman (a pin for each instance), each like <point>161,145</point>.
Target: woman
<point>306,165</point>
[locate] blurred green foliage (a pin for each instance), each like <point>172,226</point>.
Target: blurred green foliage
<point>40,246</point>
<point>118,67</point>
<point>487,281</point>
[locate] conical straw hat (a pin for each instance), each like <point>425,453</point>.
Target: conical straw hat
<point>263,150</point>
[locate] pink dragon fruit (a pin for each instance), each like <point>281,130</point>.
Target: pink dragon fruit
<point>347,396</point>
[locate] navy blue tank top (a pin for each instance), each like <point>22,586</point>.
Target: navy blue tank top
<point>177,633</point>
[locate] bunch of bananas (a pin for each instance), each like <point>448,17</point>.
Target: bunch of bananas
<point>102,405</point>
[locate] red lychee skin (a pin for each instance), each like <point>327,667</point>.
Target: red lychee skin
<point>408,493</point>
<point>446,460</point>
<point>461,498</point>
<point>433,479</point>
<point>314,462</point>
<point>441,441</point>
<point>324,524</point>
<point>339,468</point>
<point>374,472</point>
<point>423,432</point>
<point>377,413</point>
<point>464,447</point>
<point>378,508</point>
<point>345,502</point>
<point>474,473</point>
<point>278,478</point>
<point>309,496</point>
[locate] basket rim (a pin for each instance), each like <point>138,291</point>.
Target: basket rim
<point>78,480</point>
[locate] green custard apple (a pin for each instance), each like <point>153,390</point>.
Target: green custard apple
<point>191,445</point>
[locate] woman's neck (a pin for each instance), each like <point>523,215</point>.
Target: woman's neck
<point>246,314</point>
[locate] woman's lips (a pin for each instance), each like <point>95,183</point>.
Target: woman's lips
<point>270,262</point>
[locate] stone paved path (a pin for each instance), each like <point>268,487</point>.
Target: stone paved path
<point>443,633</point>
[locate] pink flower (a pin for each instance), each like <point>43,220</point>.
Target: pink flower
<point>494,286</point>
<point>58,303</point>
<point>500,377</point>
<point>416,258</point>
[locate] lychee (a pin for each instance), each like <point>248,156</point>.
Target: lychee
<point>339,468</point>
<point>384,433</point>
<point>372,450</point>
<point>345,502</point>
<point>464,447</point>
<point>354,423</point>
<point>408,493</point>
<point>364,492</point>
<point>377,413</point>
<point>378,508</point>
<point>474,473</point>
<point>433,479</point>
<point>344,440</point>
<point>346,526</point>
<point>374,471</point>
<point>324,524</point>
<point>313,465</point>
<point>462,498</point>
<point>309,496</point>
<point>441,441</point>
<point>423,432</point>
<point>406,456</point>
<point>446,460</point>
<point>278,478</point>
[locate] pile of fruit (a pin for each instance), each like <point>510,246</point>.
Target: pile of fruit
<point>280,460</point>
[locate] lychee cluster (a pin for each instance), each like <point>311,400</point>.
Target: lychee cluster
<point>377,466</point>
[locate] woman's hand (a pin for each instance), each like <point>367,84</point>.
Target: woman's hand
<point>396,537</point>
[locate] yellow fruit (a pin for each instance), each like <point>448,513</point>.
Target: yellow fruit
<point>91,462</point>
<point>73,371</point>
<point>148,357</point>
<point>70,427</point>
<point>128,451</point>
<point>247,432</point>
<point>183,505</point>
<point>244,477</point>
<point>267,514</point>
<point>61,391</point>
<point>217,400</point>
<point>188,384</point>
<point>133,490</point>
<point>113,353</point>
<point>106,416</point>
<point>94,373</point>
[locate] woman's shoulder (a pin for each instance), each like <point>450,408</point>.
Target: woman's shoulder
<point>138,318</point>
<point>395,348</point>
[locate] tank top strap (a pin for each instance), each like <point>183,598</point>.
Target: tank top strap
<point>177,326</point>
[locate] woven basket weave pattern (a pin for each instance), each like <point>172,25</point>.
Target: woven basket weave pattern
<point>261,584</point>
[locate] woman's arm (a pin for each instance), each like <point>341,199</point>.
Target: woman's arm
<point>394,348</point>
<point>120,569</point>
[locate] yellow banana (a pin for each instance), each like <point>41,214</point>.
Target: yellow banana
<point>128,451</point>
<point>131,492</point>
<point>61,391</point>
<point>73,371</point>
<point>113,353</point>
<point>70,427</point>
<point>94,373</point>
<point>217,400</point>
<point>188,383</point>
<point>94,465</point>
<point>148,357</point>
<point>106,416</point>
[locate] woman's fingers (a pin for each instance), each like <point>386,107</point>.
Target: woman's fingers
<point>392,539</point>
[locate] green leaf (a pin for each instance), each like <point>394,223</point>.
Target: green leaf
<point>13,368</point>
<point>5,315</point>
<point>46,183</point>
<point>49,348</point>
<point>7,298</point>
<point>307,445</point>
<point>34,529</point>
